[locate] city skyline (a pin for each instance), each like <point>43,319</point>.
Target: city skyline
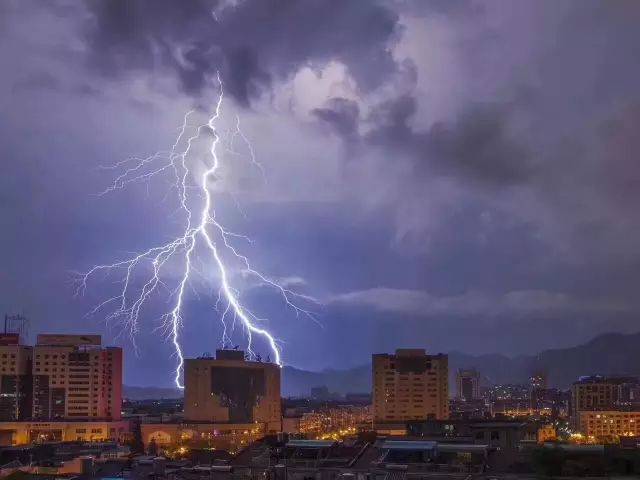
<point>453,176</point>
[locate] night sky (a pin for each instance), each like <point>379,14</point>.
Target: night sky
<point>441,174</point>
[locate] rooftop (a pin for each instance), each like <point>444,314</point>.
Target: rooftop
<point>408,445</point>
<point>613,379</point>
<point>310,443</point>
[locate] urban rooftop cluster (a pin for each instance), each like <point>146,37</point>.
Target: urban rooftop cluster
<point>67,390</point>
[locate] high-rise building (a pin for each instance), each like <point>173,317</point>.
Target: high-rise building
<point>539,394</point>
<point>15,378</point>
<point>410,385</point>
<point>468,384</point>
<point>74,377</point>
<point>230,389</point>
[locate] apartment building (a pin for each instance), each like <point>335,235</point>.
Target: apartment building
<point>606,425</point>
<point>597,393</point>
<point>75,378</point>
<point>15,378</point>
<point>410,385</point>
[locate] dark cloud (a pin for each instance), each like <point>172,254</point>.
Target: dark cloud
<point>250,43</point>
<point>391,121</point>
<point>493,149</point>
<point>477,147</point>
<point>342,115</point>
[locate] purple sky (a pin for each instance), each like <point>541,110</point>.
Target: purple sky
<point>446,174</point>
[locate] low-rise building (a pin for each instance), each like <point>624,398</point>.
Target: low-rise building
<point>609,425</point>
<point>468,409</point>
<point>221,436</point>
<point>547,433</point>
<point>24,433</point>
<point>376,459</point>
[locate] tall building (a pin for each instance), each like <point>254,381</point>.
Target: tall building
<point>538,391</point>
<point>75,378</point>
<point>410,385</point>
<point>468,384</point>
<point>15,378</point>
<point>232,390</point>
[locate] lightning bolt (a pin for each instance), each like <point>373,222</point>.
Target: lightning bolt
<point>201,230</point>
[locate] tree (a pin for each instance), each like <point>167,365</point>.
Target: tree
<point>548,461</point>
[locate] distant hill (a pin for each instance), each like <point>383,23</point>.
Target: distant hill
<point>296,382</point>
<point>146,393</point>
<point>610,353</point>
<point>607,354</point>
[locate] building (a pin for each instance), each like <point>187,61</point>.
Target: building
<point>549,402</point>
<point>320,393</point>
<point>468,384</point>
<point>516,455</point>
<point>230,437</point>
<point>75,378</point>
<point>598,393</point>
<point>410,385</point>
<point>547,433</point>
<point>609,425</point>
<point>65,388</point>
<point>15,379</point>
<point>229,402</point>
<point>34,432</point>
<point>371,458</point>
<point>538,380</point>
<point>508,392</point>
<point>513,408</point>
<point>292,423</point>
<point>333,422</point>
<point>230,389</point>
<point>468,409</point>
<point>509,438</point>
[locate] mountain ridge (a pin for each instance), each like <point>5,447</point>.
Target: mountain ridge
<point>606,354</point>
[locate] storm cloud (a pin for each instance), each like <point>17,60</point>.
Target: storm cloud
<point>430,166</point>
<point>253,44</point>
